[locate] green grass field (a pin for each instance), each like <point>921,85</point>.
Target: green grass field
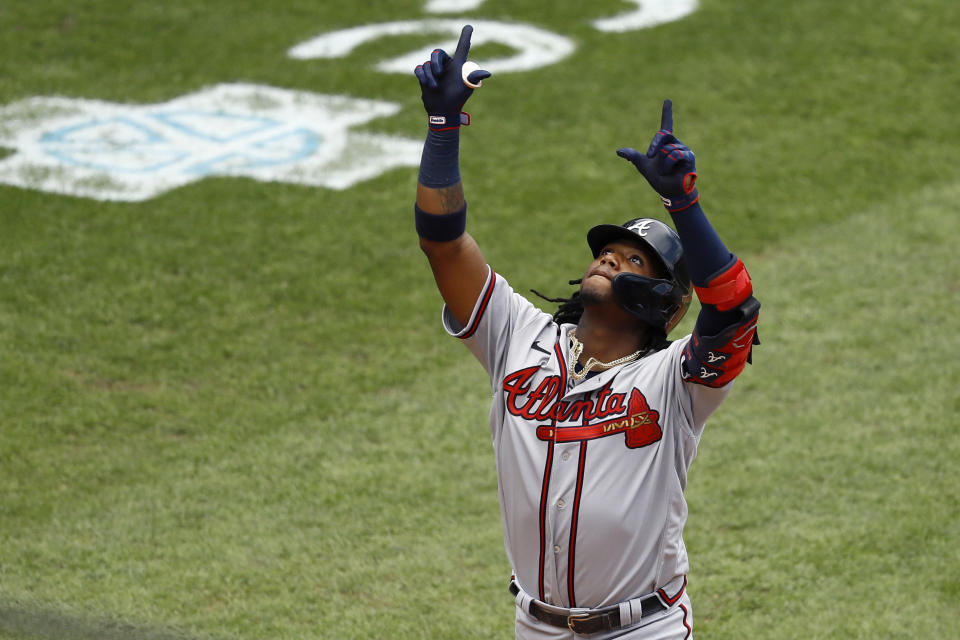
<point>229,411</point>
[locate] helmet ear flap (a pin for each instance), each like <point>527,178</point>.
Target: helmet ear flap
<point>659,303</point>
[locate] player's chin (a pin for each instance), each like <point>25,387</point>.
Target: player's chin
<point>596,290</point>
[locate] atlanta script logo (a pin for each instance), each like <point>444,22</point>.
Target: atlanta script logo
<point>604,415</point>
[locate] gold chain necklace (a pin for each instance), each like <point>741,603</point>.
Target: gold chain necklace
<point>576,348</point>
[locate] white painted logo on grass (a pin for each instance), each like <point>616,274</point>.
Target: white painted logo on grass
<point>649,13</point>
<point>451,6</point>
<point>128,152</point>
<point>535,47</point>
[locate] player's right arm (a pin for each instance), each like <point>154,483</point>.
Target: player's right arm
<point>459,267</point>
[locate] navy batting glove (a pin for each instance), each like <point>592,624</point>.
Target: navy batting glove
<point>668,165</point>
<point>444,90</point>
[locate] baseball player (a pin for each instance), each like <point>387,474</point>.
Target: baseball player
<point>596,416</point>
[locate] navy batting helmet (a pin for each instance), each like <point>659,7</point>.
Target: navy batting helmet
<point>661,303</point>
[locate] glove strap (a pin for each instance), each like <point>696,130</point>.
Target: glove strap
<point>680,203</point>
<point>447,121</point>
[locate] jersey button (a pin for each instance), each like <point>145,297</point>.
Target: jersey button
<point>561,504</point>
<point>556,549</point>
<point>565,456</point>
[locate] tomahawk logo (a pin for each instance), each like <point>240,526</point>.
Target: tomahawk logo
<point>128,152</point>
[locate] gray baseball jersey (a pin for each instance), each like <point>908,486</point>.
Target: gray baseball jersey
<point>592,474</point>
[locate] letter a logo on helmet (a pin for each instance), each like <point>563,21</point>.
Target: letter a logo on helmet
<point>640,227</point>
<point>660,302</point>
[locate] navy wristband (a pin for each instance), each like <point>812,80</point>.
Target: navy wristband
<point>442,227</point>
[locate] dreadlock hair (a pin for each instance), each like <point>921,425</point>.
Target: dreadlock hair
<point>571,309</point>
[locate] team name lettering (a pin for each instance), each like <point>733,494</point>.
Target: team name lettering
<point>640,426</point>
<point>543,402</point>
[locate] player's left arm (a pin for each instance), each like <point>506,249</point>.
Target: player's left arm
<point>726,328</point>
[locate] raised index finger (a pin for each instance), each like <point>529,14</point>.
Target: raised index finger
<point>463,47</point>
<point>666,118</point>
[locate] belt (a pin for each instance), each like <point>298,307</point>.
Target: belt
<point>590,620</point>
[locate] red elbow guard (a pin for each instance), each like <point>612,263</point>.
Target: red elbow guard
<point>728,289</point>
<point>713,361</point>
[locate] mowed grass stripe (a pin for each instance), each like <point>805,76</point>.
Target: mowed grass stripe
<point>827,483</point>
